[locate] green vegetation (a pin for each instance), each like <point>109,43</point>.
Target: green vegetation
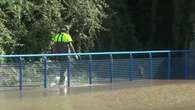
<point>9,77</point>
<point>28,23</point>
<point>96,25</point>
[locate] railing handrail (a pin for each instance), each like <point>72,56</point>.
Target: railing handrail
<point>93,53</point>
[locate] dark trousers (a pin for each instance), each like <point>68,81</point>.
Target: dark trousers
<point>63,73</point>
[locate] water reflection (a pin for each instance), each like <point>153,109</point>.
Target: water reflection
<point>64,90</point>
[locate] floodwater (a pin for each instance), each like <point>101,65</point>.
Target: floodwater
<point>135,95</point>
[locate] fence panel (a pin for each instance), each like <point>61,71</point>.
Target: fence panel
<point>43,70</point>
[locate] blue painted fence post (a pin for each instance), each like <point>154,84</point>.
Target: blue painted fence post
<point>130,66</point>
<point>21,73</point>
<point>45,72</point>
<point>151,66</point>
<point>111,68</point>
<point>90,69</point>
<point>186,65</point>
<point>169,66</point>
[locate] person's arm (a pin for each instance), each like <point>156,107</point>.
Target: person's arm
<point>72,48</point>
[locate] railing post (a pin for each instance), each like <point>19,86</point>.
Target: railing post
<point>21,73</point>
<point>111,68</point>
<point>68,72</point>
<point>90,69</point>
<point>186,65</point>
<point>169,66</point>
<point>45,70</point>
<point>151,66</point>
<point>130,66</point>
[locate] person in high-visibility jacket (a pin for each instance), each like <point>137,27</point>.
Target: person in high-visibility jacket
<point>62,43</point>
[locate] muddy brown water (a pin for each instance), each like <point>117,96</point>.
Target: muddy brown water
<point>135,95</point>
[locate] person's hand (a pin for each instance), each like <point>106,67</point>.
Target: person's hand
<point>77,57</point>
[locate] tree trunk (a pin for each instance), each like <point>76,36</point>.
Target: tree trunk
<point>153,22</point>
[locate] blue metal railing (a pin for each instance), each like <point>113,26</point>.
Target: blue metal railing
<point>98,67</point>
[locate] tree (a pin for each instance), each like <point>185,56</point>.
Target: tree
<point>28,23</point>
<point>119,34</point>
<point>184,21</point>
<point>86,18</point>
<point>6,36</point>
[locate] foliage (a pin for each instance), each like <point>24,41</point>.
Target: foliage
<point>5,37</point>
<point>9,77</point>
<point>86,18</point>
<point>28,23</point>
<point>10,73</point>
<point>119,35</point>
<point>184,23</point>
<point>96,25</point>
